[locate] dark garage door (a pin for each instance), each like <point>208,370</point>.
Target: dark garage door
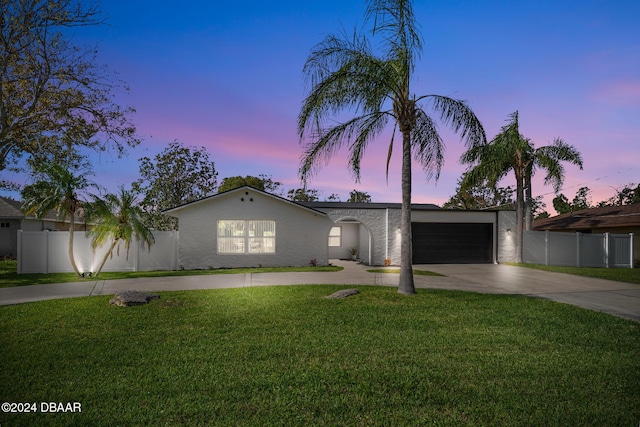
<point>452,243</point>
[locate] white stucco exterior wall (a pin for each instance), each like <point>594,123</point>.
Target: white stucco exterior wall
<point>301,233</point>
<point>371,240</point>
<point>350,239</point>
<point>380,229</point>
<point>506,239</point>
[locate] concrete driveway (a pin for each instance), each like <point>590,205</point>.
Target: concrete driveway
<point>617,298</point>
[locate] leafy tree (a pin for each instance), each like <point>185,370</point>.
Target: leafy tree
<point>345,74</point>
<point>52,93</point>
<point>359,197</point>
<point>510,151</point>
<point>333,198</point>
<point>543,215</point>
<point>262,182</point>
<point>561,204</point>
<point>232,182</point>
<point>582,200</point>
<point>58,188</point>
<point>627,195</point>
<point>538,207</point>
<point>118,219</point>
<point>481,196</point>
<point>303,195</point>
<point>177,175</point>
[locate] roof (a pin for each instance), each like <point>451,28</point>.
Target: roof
<point>594,218</point>
<point>360,205</point>
<point>240,189</point>
<point>12,209</point>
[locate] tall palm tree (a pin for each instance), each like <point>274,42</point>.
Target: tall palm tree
<point>344,73</point>
<point>57,188</point>
<point>511,151</point>
<point>118,219</point>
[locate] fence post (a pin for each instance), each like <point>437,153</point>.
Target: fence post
<point>578,243</point>
<point>607,252</point>
<point>46,252</point>
<point>136,254</point>
<point>176,248</point>
<point>546,247</point>
<point>631,249</point>
<point>19,251</point>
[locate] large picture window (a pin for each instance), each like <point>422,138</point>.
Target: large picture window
<point>246,237</point>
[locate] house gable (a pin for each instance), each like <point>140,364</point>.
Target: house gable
<point>245,192</point>
<point>235,228</point>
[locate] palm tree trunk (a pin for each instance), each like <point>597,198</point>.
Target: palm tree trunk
<point>406,286</point>
<point>528,203</point>
<point>519,214</point>
<point>71,231</point>
<point>106,256</point>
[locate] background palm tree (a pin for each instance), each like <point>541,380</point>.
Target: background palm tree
<point>57,188</point>
<point>510,151</point>
<point>344,73</point>
<point>118,219</point>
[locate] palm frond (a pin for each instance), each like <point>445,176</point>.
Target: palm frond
<point>427,145</point>
<point>56,187</point>
<point>550,157</point>
<point>344,78</point>
<point>459,116</point>
<point>395,21</point>
<point>357,132</point>
<point>119,219</point>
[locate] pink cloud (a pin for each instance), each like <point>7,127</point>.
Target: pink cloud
<point>619,93</point>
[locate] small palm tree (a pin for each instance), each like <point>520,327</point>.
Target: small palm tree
<point>118,219</point>
<point>510,151</point>
<point>345,74</point>
<point>57,188</point>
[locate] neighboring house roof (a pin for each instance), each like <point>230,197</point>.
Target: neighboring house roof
<point>12,209</point>
<point>594,218</point>
<point>238,190</point>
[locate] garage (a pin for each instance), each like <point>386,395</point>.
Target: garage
<point>452,243</point>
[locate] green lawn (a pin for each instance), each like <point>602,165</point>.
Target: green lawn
<point>631,275</point>
<point>286,356</point>
<point>9,277</point>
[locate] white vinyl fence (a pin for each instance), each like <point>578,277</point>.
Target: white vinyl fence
<point>578,249</point>
<point>48,252</point>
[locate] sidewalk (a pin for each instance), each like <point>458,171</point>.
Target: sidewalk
<point>617,298</point>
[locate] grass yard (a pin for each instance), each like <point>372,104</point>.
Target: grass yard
<point>630,275</point>
<point>286,356</point>
<point>9,276</point>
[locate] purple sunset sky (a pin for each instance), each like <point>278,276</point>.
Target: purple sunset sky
<point>228,76</point>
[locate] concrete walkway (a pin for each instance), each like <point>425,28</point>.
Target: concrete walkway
<point>617,298</point>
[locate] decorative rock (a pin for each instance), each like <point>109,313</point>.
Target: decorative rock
<point>130,297</point>
<point>343,293</point>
